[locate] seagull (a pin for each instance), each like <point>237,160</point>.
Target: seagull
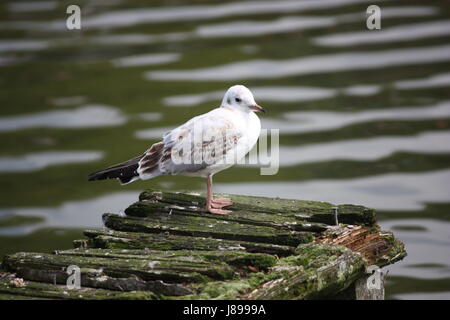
<point>201,147</point>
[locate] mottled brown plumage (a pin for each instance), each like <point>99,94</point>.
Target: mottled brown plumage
<point>201,147</point>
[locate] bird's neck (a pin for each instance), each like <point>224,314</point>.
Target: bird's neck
<point>243,112</point>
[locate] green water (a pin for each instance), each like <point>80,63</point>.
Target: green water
<point>364,116</point>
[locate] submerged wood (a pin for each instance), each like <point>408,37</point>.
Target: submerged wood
<point>167,247</point>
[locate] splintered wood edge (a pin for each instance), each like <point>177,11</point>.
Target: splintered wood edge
<point>377,247</point>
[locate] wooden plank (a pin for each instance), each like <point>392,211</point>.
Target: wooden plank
<point>323,270</point>
<point>160,210</point>
<point>312,211</point>
<point>168,247</point>
<point>316,271</point>
<point>111,239</point>
<point>43,267</point>
<point>38,290</point>
<point>232,258</point>
<point>207,227</point>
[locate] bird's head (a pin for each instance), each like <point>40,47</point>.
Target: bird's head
<point>240,97</point>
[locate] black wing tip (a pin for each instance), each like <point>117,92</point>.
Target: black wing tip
<point>101,175</point>
<point>95,177</point>
<point>127,180</point>
<point>92,177</point>
<point>123,180</point>
<point>125,175</point>
<point>126,171</point>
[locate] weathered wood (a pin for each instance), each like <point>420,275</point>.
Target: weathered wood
<point>362,292</point>
<point>168,247</point>
<point>233,258</point>
<point>39,266</point>
<point>312,211</point>
<point>316,271</point>
<point>208,226</point>
<point>111,239</point>
<point>162,211</point>
<point>40,290</point>
<point>377,247</point>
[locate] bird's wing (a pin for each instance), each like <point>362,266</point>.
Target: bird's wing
<point>206,140</point>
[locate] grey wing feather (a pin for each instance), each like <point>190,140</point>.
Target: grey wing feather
<point>203,141</point>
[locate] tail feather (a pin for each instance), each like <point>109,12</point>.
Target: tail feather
<point>126,171</point>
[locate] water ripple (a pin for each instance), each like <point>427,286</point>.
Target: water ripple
<point>398,191</point>
<point>445,295</point>
<point>311,121</point>
<point>7,60</point>
<point>423,247</point>
<point>280,94</point>
<point>391,34</point>
<point>73,214</point>
<point>132,17</point>
<point>364,149</point>
<point>41,160</point>
<point>300,93</point>
<point>248,28</point>
<point>32,6</point>
<point>82,117</point>
<point>23,45</point>
<point>267,69</point>
<point>438,80</point>
<point>146,59</point>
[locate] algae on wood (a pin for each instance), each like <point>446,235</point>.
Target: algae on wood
<point>168,247</point>
<point>110,239</point>
<point>206,227</point>
<point>41,290</point>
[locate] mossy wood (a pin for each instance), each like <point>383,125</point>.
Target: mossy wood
<point>167,247</point>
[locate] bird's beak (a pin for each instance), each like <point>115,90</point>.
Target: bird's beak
<point>257,108</point>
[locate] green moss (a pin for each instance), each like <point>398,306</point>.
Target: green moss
<point>395,253</point>
<point>220,290</point>
<point>206,226</point>
<point>300,272</point>
<point>262,262</point>
<point>309,256</point>
<point>110,239</point>
<point>256,210</point>
<point>40,290</point>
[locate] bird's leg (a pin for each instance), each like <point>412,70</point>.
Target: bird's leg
<point>215,206</point>
<point>208,192</point>
<point>223,202</point>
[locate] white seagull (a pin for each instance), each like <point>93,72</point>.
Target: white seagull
<point>201,147</point>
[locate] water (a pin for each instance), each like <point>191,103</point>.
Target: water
<point>364,116</point>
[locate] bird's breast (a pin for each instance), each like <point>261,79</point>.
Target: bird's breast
<point>253,129</point>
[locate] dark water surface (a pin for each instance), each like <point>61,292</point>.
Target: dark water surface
<point>364,116</point>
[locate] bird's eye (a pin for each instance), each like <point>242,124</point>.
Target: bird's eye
<point>237,100</point>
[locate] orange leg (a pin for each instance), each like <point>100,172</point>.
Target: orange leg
<point>215,206</point>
